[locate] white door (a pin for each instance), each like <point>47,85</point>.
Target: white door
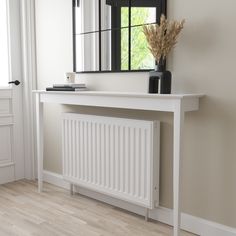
<point>11,122</point>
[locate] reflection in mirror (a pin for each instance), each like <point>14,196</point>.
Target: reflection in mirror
<point>141,58</point>
<point>87,16</point>
<point>117,12</point>
<point>87,52</point>
<point>115,56</point>
<point>124,50</point>
<point>114,52</point>
<point>106,12</point>
<point>143,15</point>
<point>106,52</point>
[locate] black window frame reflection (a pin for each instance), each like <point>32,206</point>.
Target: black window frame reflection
<point>161,8</point>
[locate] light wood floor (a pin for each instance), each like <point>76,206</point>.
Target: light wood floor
<point>24,212</point>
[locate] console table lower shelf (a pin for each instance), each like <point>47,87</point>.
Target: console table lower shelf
<point>178,104</point>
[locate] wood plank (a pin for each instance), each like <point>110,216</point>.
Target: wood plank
<point>54,212</point>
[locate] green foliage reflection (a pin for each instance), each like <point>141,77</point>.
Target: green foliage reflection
<point>141,57</point>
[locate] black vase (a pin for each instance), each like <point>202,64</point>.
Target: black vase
<point>154,78</point>
<point>153,84</point>
<point>166,82</point>
<point>162,75</point>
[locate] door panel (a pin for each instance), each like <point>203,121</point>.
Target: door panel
<point>11,122</point>
<point>4,105</point>
<point>4,44</point>
<point>7,163</point>
<point>5,143</point>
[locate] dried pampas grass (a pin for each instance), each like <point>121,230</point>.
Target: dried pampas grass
<point>162,38</point>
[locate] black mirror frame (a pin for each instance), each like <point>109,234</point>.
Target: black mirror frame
<point>160,10</point>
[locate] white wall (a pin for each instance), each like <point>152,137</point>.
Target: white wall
<point>203,61</point>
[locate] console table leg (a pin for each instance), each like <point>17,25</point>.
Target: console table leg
<point>146,215</point>
<point>39,127</point>
<point>71,189</point>
<point>178,132</point>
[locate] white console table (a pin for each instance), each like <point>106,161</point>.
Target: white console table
<point>176,103</point>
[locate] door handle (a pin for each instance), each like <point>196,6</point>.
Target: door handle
<point>16,82</point>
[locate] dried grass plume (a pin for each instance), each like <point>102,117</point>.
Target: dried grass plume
<point>162,38</point>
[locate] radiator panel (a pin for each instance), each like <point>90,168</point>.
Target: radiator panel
<point>115,156</point>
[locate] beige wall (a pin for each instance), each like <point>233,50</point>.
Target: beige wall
<point>203,61</point>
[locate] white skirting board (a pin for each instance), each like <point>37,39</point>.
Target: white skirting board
<point>189,223</point>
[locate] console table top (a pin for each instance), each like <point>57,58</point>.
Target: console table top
<point>121,94</point>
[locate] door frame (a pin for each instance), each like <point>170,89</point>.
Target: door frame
<point>29,80</point>
<point>22,38</point>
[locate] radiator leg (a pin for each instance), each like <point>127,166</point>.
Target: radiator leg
<point>71,189</point>
<point>146,215</point>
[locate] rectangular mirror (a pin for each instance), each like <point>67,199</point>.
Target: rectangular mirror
<point>108,34</point>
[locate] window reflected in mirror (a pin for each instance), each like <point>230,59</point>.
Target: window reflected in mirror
<point>143,15</point>
<point>141,57</point>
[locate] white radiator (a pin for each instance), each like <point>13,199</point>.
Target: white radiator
<point>114,156</point>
